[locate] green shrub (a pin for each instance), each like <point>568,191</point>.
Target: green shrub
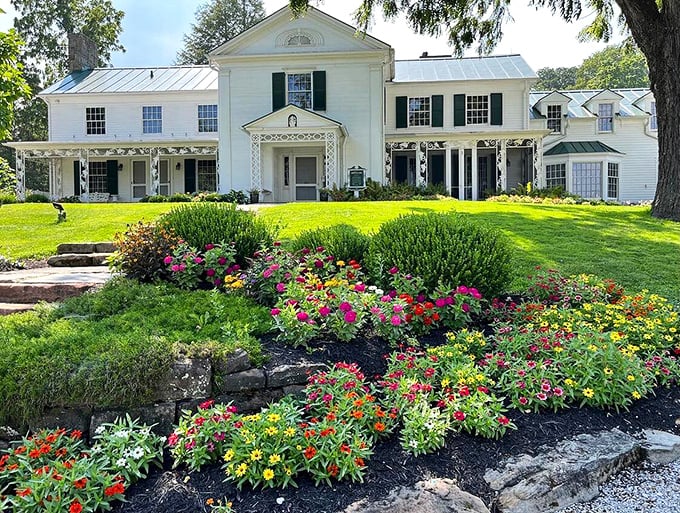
<point>342,241</point>
<point>375,191</point>
<point>140,251</point>
<point>179,197</point>
<point>69,199</point>
<point>451,249</point>
<point>157,198</point>
<point>36,198</point>
<point>200,224</point>
<point>7,198</point>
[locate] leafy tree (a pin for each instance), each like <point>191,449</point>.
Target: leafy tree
<point>218,21</point>
<point>616,66</point>
<point>550,79</point>
<point>653,24</point>
<point>44,26</point>
<point>13,86</point>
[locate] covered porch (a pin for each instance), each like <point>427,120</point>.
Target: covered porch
<point>121,172</point>
<point>467,168</point>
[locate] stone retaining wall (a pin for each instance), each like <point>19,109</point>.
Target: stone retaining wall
<point>189,382</point>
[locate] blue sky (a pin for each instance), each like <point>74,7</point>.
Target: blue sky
<point>153,30</point>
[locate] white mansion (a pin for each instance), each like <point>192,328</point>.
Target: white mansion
<point>290,105</point>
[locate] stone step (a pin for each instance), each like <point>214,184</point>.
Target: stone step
<point>11,308</point>
<point>78,259</point>
<point>85,247</point>
<point>26,293</point>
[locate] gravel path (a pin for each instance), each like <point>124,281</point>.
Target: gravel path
<point>644,488</point>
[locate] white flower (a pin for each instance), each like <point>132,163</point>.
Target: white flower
<point>429,425</point>
<point>99,430</point>
<point>380,292</point>
<point>413,443</point>
<point>137,453</point>
<point>123,433</point>
<point>122,462</point>
<point>372,288</point>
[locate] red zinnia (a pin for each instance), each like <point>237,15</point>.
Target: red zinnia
<point>80,483</point>
<point>24,492</point>
<point>309,452</point>
<point>333,470</point>
<point>344,448</point>
<point>379,426</point>
<point>75,507</point>
<point>116,489</point>
<point>459,415</point>
<point>360,462</point>
<point>35,453</point>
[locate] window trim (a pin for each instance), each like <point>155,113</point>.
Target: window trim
<point>468,110</point>
<point>94,121</point>
<point>202,162</point>
<point>554,118</point>
<point>562,179</point>
<point>603,119</point>
<point>98,174</point>
<point>613,175</point>
<point>311,89</point>
<point>152,120</point>
<point>206,119</point>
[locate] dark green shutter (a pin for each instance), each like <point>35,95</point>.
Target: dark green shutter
<point>319,92</point>
<point>278,91</point>
<point>402,111</point>
<point>496,108</point>
<point>76,178</point>
<point>189,176</point>
<point>112,176</point>
<point>437,110</point>
<point>458,110</point>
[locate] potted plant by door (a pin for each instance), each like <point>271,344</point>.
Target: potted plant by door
<point>323,194</point>
<point>254,195</point>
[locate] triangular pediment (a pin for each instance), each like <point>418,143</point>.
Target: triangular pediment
<point>554,97</point>
<point>294,118</point>
<point>607,95</point>
<point>281,33</point>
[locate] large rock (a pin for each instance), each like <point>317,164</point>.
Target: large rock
<point>78,247</point>
<point>570,473</point>
<point>661,447</point>
<point>235,362</point>
<point>187,378</point>
<point>161,416</point>
<point>35,292</point>
<point>297,374</point>
<point>77,260</point>
<point>432,496</point>
<point>252,379</point>
<point>68,418</point>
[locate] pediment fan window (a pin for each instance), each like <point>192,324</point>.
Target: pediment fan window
<point>299,39</point>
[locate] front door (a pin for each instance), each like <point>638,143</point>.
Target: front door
<point>305,178</point>
<point>138,179</point>
<point>164,178</point>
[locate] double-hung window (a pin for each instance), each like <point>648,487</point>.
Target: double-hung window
<point>613,180</point>
<point>555,118</point>
<point>300,89</point>
<point>98,177</point>
<point>207,118</point>
<point>206,172</point>
<point>95,120</point>
<point>477,109</point>
<point>652,120</point>
<point>152,119</point>
<point>419,111</point>
<point>556,175</point>
<point>605,121</point>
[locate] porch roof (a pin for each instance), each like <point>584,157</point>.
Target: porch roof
<point>577,147</point>
<point>55,146</point>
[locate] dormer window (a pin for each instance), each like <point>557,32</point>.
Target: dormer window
<point>605,114</point>
<point>299,40</point>
<point>554,115</point>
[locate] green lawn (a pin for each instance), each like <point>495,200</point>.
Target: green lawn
<point>623,243</point>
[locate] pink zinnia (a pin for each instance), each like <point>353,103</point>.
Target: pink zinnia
<point>302,316</point>
<point>175,268</point>
<point>459,415</point>
<point>395,320</point>
<point>198,260</point>
<point>350,316</point>
<point>210,272</point>
<point>208,247</point>
<point>182,267</point>
<point>465,308</point>
<point>541,396</point>
<point>280,287</point>
<point>275,311</point>
<point>345,307</point>
<point>360,287</point>
<point>397,309</point>
<point>394,270</point>
<point>168,260</point>
<point>441,302</point>
<point>267,273</point>
<point>324,311</point>
<point>462,290</point>
<point>221,260</point>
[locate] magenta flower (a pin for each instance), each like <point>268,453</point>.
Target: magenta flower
<point>462,290</point>
<point>318,263</point>
<point>300,279</point>
<point>168,260</point>
<point>275,267</point>
<point>541,396</point>
<point>175,268</point>
<point>557,391</point>
<point>382,317</point>
<point>397,309</point>
<point>545,387</point>
<point>360,287</point>
<point>219,437</point>
<point>350,316</point>
<point>394,270</point>
<point>375,310</point>
<point>267,273</point>
<point>440,302</point>
<point>302,316</point>
<point>208,247</point>
<point>182,267</point>
<point>345,307</point>
<point>218,282</point>
<point>221,260</point>
<point>280,287</point>
<point>475,294</point>
<point>465,307</point>
<point>523,401</point>
<point>210,272</point>
<point>275,311</point>
<point>324,311</point>
<point>395,320</point>
<point>327,398</point>
<point>198,260</point>
<point>385,299</point>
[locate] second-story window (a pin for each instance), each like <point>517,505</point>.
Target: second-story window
<point>555,118</point>
<point>419,111</point>
<point>652,120</point>
<point>605,121</point>
<point>300,89</point>
<point>207,118</point>
<point>477,110</point>
<point>95,120</point>
<point>152,119</point>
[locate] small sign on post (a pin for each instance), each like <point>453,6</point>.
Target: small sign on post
<point>357,178</point>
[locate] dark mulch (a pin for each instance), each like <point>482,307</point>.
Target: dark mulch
<point>464,459</point>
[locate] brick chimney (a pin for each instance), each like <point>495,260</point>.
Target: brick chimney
<point>82,53</point>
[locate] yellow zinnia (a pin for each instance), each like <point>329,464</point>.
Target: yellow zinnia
<point>274,459</point>
<point>241,470</point>
<point>256,455</point>
<point>268,474</point>
<point>588,392</point>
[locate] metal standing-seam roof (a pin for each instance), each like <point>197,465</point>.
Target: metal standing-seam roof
<point>136,80</point>
<point>470,68</point>
<point>564,148</point>
<point>579,97</point>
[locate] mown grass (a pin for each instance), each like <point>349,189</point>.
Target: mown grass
<point>623,243</point>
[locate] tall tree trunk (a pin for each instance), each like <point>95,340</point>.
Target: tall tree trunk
<point>656,33</point>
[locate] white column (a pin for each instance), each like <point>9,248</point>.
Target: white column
<point>21,176</point>
<point>421,158</point>
<point>331,169</point>
<point>539,174</point>
<point>255,162</point>
<point>59,179</point>
<point>447,172</point>
<point>388,164</point>
<point>475,177</point>
<point>603,179</point>
<point>84,176</point>
<point>225,165</point>
<point>461,172</point>
<point>154,160</point>
<point>501,159</point>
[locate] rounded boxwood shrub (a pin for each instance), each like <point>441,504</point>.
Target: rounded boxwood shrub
<point>442,248</point>
<point>202,223</point>
<point>342,241</point>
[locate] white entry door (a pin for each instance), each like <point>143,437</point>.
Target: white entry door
<point>305,178</point>
<point>138,179</point>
